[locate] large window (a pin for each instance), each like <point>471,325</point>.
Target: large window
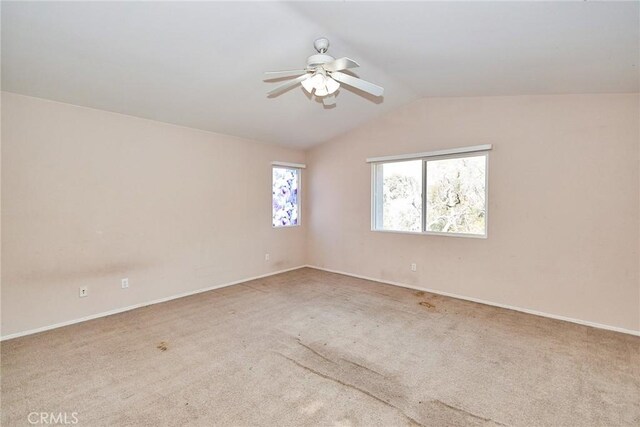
<point>444,194</point>
<point>285,186</point>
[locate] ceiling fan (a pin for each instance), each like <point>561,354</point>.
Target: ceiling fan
<point>323,75</point>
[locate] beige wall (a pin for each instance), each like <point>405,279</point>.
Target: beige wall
<point>90,197</point>
<point>563,204</point>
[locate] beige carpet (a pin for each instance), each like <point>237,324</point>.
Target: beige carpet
<point>314,348</point>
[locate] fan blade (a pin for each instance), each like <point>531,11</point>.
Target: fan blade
<point>365,86</point>
<point>340,64</point>
<point>285,73</point>
<point>289,84</point>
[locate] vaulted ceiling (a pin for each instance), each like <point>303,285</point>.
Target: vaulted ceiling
<point>201,64</point>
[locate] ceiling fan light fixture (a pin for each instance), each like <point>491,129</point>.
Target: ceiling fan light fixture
<point>322,91</point>
<point>332,85</point>
<point>323,75</point>
<point>318,80</point>
<point>307,85</point>
<point>320,84</point>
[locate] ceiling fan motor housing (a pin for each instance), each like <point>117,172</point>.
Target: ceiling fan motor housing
<point>319,59</point>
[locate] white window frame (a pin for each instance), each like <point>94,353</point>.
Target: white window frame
<point>456,153</point>
<point>286,165</point>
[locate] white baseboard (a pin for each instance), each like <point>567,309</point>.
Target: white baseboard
<point>144,304</point>
<point>373,279</point>
<point>494,304</point>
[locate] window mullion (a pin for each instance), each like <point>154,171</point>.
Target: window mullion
<point>424,196</point>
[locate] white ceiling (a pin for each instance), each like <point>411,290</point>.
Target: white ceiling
<point>201,64</point>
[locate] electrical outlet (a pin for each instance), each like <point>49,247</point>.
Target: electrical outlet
<point>125,283</point>
<point>266,257</point>
<point>414,267</point>
<point>83,291</point>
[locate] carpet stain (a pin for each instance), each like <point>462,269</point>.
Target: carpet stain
<point>363,367</point>
<point>465,412</point>
<point>353,387</point>
<point>314,351</point>
<point>426,304</point>
<point>163,346</point>
<point>419,293</point>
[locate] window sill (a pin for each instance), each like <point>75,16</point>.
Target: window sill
<point>432,233</point>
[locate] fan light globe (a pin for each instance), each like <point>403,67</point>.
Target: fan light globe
<point>332,85</point>
<point>307,85</point>
<point>321,92</point>
<point>318,81</point>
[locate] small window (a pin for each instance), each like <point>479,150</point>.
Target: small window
<point>433,195</point>
<point>285,196</point>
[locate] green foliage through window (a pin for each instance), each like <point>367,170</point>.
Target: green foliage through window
<point>454,198</point>
<point>456,195</point>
